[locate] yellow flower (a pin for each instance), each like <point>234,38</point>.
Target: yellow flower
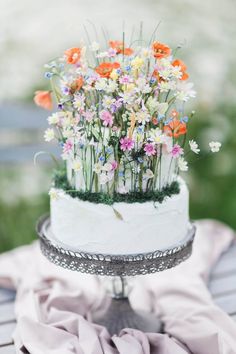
<point>137,63</point>
<point>76,166</point>
<point>128,87</point>
<point>114,75</point>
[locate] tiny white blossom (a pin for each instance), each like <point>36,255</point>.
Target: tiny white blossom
<point>102,55</point>
<point>53,119</point>
<point>76,166</point>
<point>107,167</point>
<point>165,86</point>
<point>97,168</point>
<point>111,86</point>
<point>182,164</point>
<point>101,84</point>
<point>148,174</point>
<point>54,194</point>
<point>194,146</point>
<point>185,91</point>
<point>94,46</point>
<point>214,146</point>
<point>49,134</point>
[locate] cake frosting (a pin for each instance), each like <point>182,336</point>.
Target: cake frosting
<point>140,227</point>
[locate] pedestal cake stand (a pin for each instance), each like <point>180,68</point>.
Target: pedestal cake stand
<point>119,314</point>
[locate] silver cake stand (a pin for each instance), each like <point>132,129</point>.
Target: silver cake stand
<point>119,315</point>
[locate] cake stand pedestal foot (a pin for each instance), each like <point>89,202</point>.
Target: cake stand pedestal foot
<point>120,314</point>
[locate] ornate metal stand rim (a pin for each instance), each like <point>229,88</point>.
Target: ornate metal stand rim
<point>113,265</point>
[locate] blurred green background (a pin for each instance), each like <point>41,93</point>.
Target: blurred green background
<point>33,33</point>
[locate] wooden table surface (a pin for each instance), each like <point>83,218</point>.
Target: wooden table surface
<point>222,286</point>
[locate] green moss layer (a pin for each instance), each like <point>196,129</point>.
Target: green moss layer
<point>60,181</point>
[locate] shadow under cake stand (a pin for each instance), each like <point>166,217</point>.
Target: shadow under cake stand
<point>119,314</point>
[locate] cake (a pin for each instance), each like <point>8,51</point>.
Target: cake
<point>122,127</point>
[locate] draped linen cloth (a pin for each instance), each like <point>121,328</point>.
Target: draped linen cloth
<point>54,306</point>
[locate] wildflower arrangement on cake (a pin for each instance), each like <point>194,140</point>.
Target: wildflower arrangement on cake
<point>121,119</point>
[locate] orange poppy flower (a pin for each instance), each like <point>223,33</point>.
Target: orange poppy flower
<point>175,128</point>
<point>79,83</point>
<point>43,99</point>
<point>105,68</point>
<point>119,47</point>
<point>73,55</point>
<point>160,50</point>
<point>183,68</point>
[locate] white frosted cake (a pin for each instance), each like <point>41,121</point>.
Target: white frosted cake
<point>141,227</point>
<point>122,128</point>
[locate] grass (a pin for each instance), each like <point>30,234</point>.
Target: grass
<point>17,223</point>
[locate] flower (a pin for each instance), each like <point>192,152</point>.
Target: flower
<point>97,168</point>
<point>175,128</point>
<point>149,149</point>
<point>120,49</point>
<point>76,166</point>
<point>49,134</point>
<point>43,99</point>
<point>54,194</point>
<point>67,147</point>
<point>114,165</point>
<point>73,55</point>
<point>160,50</point>
<point>126,144</point>
<point>105,69</point>
<point>137,63</point>
<point>148,174</point>
<point>185,91</point>
<point>194,146</point>
<point>53,119</point>
<point>214,146</point>
<point>94,46</point>
<point>183,68</point>
<point>182,164</point>
<point>176,151</point>
<point>107,118</point>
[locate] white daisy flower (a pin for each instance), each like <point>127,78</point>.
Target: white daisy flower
<point>214,146</point>
<point>185,91</point>
<point>194,146</point>
<point>53,119</point>
<point>97,168</point>
<point>76,165</point>
<point>94,46</point>
<point>49,134</point>
<point>182,164</point>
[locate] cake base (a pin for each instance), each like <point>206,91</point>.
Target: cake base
<point>120,315</point>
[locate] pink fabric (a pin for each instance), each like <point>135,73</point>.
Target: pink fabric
<point>54,306</point>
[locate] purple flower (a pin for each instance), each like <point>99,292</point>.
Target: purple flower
<point>176,151</point>
<point>149,149</point>
<point>126,144</point>
<point>107,118</point>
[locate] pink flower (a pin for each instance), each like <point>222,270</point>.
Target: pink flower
<point>125,79</point>
<point>126,144</point>
<point>149,149</point>
<point>114,165</point>
<point>107,118</point>
<point>176,151</point>
<point>67,147</point>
